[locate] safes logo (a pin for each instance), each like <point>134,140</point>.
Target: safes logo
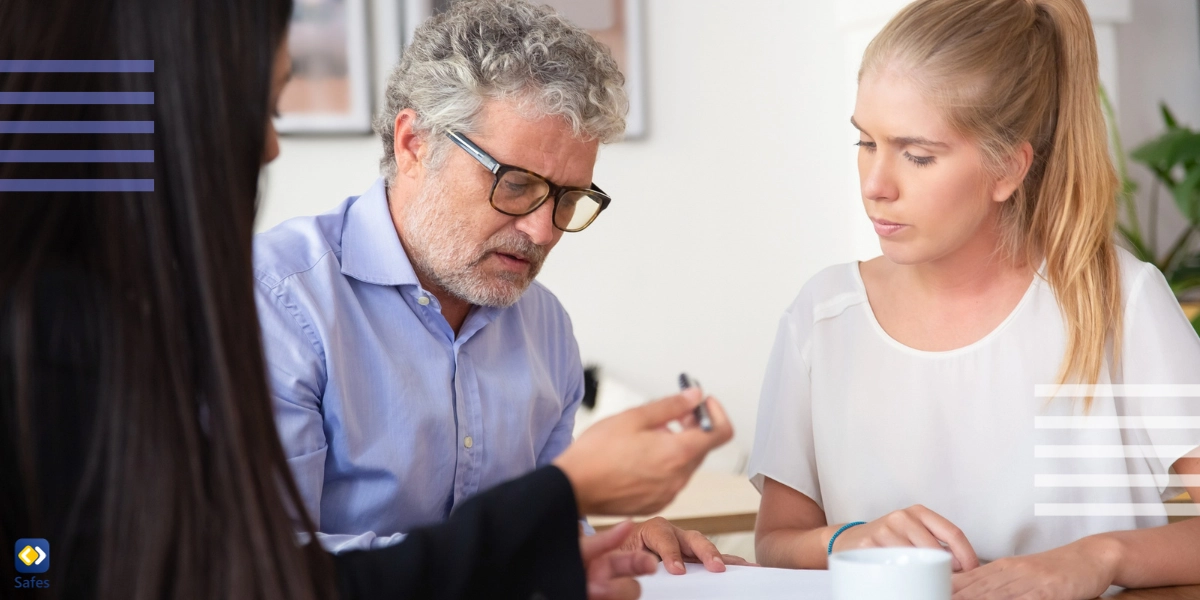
<point>32,555</point>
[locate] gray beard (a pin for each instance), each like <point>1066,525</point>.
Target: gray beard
<point>440,251</point>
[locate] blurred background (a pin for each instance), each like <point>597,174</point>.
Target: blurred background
<point>739,183</point>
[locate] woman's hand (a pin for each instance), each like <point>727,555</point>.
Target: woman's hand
<point>631,464</point>
<point>915,526</point>
<point>1078,571</point>
<point>610,571</point>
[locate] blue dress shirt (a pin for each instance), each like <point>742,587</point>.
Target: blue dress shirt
<point>387,418</point>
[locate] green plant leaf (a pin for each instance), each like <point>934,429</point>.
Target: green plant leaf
<point>1182,285</point>
<point>1129,187</point>
<point>1174,147</point>
<point>1167,116</point>
<point>1187,196</point>
<point>1196,324</point>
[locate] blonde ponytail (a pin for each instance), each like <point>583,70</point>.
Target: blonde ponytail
<point>1075,212</point>
<point>1013,71</point>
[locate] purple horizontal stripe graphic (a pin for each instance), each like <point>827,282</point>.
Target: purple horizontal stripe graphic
<point>76,126</point>
<point>76,66</point>
<point>76,97</point>
<point>76,156</point>
<point>76,185</point>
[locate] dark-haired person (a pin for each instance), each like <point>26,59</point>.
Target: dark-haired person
<point>135,431</point>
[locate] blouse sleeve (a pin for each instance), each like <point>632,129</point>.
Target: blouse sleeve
<point>1160,349</point>
<point>783,442</point>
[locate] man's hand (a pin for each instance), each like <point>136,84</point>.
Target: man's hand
<point>631,464</point>
<point>676,546</point>
<point>610,567</point>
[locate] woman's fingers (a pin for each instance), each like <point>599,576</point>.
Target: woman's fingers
<point>921,537</point>
<point>616,589</point>
<point>594,546</point>
<point>948,532</point>
<point>889,538</point>
<point>631,563</point>
<point>919,527</point>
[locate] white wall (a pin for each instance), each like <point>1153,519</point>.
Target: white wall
<point>743,188</point>
<point>723,210</point>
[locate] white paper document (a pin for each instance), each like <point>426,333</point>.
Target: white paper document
<point>737,583</point>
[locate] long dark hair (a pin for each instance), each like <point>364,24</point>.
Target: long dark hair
<point>136,434</point>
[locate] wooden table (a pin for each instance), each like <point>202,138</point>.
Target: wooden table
<point>711,503</point>
<point>1185,592</point>
<point>1191,309</point>
<point>1183,498</point>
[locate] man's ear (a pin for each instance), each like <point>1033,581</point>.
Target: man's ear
<point>408,145</point>
<point>1015,169</point>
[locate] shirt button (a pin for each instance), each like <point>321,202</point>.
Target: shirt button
<point>468,442</point>
<point>423,300</point>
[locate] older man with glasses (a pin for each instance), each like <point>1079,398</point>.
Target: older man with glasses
<point>413,359</point>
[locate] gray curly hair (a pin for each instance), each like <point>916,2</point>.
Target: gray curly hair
<point>483,50</point>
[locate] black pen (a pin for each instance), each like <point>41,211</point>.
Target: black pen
<point>701,410</point>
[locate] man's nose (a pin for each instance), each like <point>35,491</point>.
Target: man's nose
<point>539,224</point>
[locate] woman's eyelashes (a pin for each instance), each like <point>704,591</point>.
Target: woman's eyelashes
<point>920,161</point>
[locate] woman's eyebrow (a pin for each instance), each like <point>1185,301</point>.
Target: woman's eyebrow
<point>917,141</point>
<point>907,140</point>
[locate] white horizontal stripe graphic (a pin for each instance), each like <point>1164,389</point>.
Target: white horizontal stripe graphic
<point>1158,390</point>
<point>1113,481</point>
<point>1110,451</point>
<point>1116,422</point>
<point>1115,510</point>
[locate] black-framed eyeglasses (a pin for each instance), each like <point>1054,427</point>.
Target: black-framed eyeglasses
<point>516,191</point>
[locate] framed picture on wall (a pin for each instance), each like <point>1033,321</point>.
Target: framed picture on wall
<point>615,23</point>
<point>330,90</point>
<point>618,25</point>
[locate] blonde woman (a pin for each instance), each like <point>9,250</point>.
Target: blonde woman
<point>906,400</point>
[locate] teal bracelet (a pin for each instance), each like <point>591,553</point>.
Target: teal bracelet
<point>829,551</point>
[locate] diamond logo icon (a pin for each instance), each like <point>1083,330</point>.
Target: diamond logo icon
<point>32,555</point>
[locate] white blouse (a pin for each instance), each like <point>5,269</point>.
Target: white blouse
<point>865,425</point>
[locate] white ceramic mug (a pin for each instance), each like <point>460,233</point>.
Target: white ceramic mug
<point>890,574</point>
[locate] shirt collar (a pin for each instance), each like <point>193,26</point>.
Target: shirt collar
<point>371,249</point>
